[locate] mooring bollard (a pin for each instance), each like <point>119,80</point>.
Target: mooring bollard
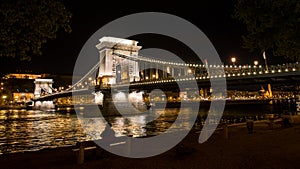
<point>80,158</point>
<point>250,124</point>
<point>226,131</point>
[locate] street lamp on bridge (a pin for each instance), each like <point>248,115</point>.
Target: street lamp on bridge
<point>265,58</point>
<point>255,62</point>
<point>267,69</point>
<point>233,60</point>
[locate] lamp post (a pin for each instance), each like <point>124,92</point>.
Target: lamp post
<point>255,62</point>
<point>265,58</point>
<point>267,69</point>
<point>233,60</point>
<point>255,65</point>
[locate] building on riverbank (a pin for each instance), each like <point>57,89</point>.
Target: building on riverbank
<point>17,88</point>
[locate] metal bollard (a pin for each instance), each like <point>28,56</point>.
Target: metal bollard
<point>226,131</point>
<point>80,158</point>
<point>250,124</point>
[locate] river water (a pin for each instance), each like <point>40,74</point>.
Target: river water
<point>31,130</point>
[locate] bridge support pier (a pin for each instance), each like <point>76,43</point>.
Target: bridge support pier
<point>40,105</point>
<point>116,103</point>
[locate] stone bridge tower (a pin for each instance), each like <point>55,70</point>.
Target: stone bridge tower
<point>115,69</point>
<point>42,86</point>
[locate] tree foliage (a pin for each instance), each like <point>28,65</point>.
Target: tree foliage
<point>272,25</point>
<point>28,24</point>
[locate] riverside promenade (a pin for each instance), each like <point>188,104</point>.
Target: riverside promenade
<point>264,148</point>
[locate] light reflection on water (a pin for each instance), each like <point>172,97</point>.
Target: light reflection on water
<point>138,125</point>
<point>22,130</point>
<point>33,130</point>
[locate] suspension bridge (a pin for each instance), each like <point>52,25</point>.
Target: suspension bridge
<point>120,67</point>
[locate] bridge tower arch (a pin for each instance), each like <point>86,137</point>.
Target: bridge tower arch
<point>114,69</point>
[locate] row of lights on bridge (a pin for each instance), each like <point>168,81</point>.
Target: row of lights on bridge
<point>210,77</point>
<point>233,59</point>
<point>206,77</point>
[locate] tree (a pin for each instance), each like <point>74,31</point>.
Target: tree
<point>28,24</point>
<point>272,25</point>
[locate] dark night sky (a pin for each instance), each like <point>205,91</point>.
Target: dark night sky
<point>212,17</point>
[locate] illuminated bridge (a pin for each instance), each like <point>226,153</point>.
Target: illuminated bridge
<point>121,67</point>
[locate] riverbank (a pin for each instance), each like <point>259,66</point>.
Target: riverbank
<point>265,148</point>
<point>12,107</point>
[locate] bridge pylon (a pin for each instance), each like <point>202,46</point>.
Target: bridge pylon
<point>114,69</point>
<point>42,86</point>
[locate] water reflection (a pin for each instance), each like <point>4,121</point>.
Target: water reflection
<point>22,130</point>
<point>137,125</point>
<point>131,126</point>
<point>34,130</point>
<point>93,127</point>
